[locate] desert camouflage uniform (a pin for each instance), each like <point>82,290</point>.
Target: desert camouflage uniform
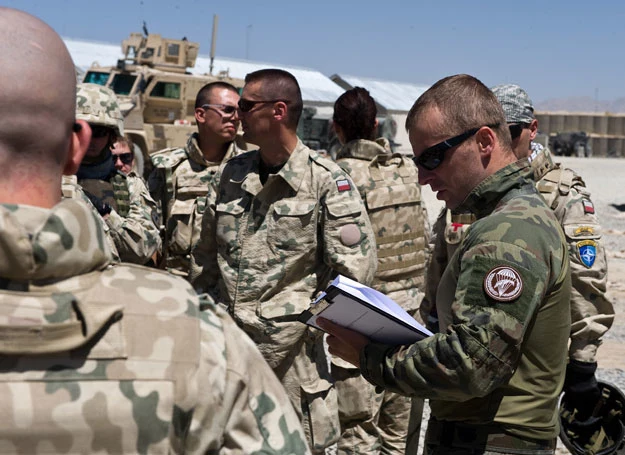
<point>179,184</point>
<point>119,359</point>
<point>70,189</point>
<point>494,371</point>
<point>132,221</point>
<point>592,314</point>
<point>266,250</point>
<point>377,422</point>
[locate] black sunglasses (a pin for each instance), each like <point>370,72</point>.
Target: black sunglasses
<point>225,108</point>
<point>125,158</point>
<point>247,105</point>
<point>99,131</point>
<point>517,128</point>
<point>432,157</point>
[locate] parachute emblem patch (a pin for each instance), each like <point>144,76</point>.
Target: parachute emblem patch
<point>503,284</point>
<point>587,250</point>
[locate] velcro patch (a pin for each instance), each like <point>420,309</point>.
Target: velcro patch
<point>343,185</point>
<point>587,250</point>
<point>584,230</point>
<point>588,206</point>
<point>503,283</point>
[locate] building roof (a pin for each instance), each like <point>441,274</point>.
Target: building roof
<point>394,96</point>
<point>315,86</point>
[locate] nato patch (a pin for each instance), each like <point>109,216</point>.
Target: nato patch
<point>343,185</point>
<point>588,206</point>
<point>587,250</point>
<point>503,284</point>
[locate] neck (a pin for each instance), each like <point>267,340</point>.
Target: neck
<point>278,151</point>
<point>40,192</point>
<point>212,150</point>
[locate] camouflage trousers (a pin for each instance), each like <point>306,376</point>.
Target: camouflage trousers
<point>456,438</point>
<point>372,422</point>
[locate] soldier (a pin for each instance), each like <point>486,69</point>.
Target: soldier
<point>122,200</point>
<point>494,371</point>
<point>592,314</point>
<point>280,223</point>
<point>181,176</point>
<point>371,421</point>
<point>100,357</point>
<point>123,155</point>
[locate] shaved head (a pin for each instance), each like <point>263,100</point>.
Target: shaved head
<point>37,91</point>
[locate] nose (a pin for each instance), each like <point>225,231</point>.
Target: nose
<point>424,176</point>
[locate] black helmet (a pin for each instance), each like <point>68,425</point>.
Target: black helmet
<point>603,433</point>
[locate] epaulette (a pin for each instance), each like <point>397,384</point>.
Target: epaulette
<point>169,157</point>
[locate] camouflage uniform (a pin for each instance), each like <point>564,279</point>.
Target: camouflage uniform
<point>179,184</point>
<point>377,422</point>
<point>494,371</point>
<point>133,212</point>
<point>266,250</point>
<point>119,359</point>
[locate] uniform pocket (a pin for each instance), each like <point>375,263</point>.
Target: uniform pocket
<point>292,224</point>
<point>320,404</point>
<point>181,226</point>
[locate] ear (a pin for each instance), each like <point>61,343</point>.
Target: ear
<point>486,140</point>
<point>533,129</point>
<point>200,115</point>
<point>79,143</point>
<point>280,111</point>
<point>339,132</point>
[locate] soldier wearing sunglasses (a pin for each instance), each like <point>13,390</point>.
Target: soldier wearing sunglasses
<point>181,175</point>
<point>279,224</point>
<point>494,370</point>
<point>122,200</point>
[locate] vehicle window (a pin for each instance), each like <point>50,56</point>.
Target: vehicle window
<point>96,77</point>
<point>122,83</point>
<point>166,90</point>
<point>173,49</point>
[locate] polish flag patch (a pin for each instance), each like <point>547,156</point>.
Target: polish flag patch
<point>343,185</point>
<point>588,206</point>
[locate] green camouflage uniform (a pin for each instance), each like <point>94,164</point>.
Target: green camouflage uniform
<point>266,250</point>
<point>119,359</point>
<point>179,184</point>
<point>494,371</point>
<point>592,314</point>
<point>377,422</point>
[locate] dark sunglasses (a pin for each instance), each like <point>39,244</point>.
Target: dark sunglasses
<point>432,157</point>
<point>125,158</point>
<point>517,128</point>
<point>247,105</point>
<point>224,108</point>
<point>99,131</point>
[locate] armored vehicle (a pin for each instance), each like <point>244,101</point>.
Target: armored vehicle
<point>570,144</point>
<point>155,91</point>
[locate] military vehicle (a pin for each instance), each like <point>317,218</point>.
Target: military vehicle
<point>315,130</point>
<point>570,144</point>
<point>155,91</point>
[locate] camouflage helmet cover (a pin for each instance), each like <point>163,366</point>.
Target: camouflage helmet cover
<point>98,105</point>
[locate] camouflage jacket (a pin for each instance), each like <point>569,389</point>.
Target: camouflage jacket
<point>119,359</point>
<point>70,189</point>
<point>592,314</point>
<point>503,304</point>
<point>265,251</point>
<point>132,221</point>
<point>388,185</point>
<point>179,183</point>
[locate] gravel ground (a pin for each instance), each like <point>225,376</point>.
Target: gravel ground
<point>605,178</point>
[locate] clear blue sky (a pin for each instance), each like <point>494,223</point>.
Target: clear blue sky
<point>553,49</point>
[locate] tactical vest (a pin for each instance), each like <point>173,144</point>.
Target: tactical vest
<point>557,182</point>
<point>394,205</point>
<point>114,191</point>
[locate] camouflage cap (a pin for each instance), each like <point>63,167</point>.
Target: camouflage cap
<point>98,105</point>
<point>516,103</point>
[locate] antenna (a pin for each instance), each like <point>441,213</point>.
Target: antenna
<point>213,42</point>
<point>145,29</point>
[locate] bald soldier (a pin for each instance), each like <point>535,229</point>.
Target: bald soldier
<point>100,357</point>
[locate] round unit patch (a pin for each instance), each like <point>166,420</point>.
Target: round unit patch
<point>503,284</point>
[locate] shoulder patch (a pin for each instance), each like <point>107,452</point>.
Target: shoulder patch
<point>587,250</point>
<point>589,207</point>
<point>584,230</point>
<point>503,284</point>
<point>343,185</point>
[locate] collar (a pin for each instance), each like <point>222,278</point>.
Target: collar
<point>195,153</point>
<point>362,149</point>
<point>485,197</point>
<point>47,244</point>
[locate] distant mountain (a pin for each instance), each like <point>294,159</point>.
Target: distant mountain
<point>581,104</point>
